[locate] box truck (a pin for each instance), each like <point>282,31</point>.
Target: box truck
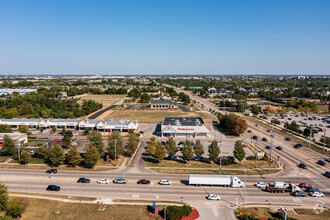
<point>215,180</point>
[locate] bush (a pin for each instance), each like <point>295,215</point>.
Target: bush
<point>276,121</point>
<point>32,137</point>
<point>228,160</point>
<point>177,212</point>
<point>250,158</point>
<point>14,210</point>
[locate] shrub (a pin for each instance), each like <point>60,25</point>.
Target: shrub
<point>228,160</point>
<point>14,210</point>
<point>251,158</point>
<point>177,212</point>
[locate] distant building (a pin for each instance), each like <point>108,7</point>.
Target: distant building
<point>162,104</point>
<point>213,92</point>
<point>18,138</point>
<point>20,91</point>
<point>185,127</point>
<point>285,100</point>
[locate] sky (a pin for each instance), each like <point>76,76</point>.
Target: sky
<point>165,37</point>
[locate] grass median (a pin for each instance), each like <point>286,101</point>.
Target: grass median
<point>213,171</point>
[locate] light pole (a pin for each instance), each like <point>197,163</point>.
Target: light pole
<point>19,155</point>
<point>325,134</point>
<point>165,213</point>
<point>245,184</point>
<point>220,153</point>
<point>255,165</point>
<point>115,150</point>
<point>270,151</point>
<point>310,136</point>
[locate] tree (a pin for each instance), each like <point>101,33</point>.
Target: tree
<point>41,129</point>
<point>307,131</point>
<point>152,148</point>
<point>95,138</point>
<point>56,154</point>
<point>25,156</point>
<point>14,210</point>
<point>8,145</point>
<point>115,144</point>
<point>5,129</point>
<point>255,110</point>
<point>187,151</point>
<point>134,93</point>
<point>23,129</point>
<point>160,152</point>
<point>86,131</point>
<point>198,149</point>
<point>73,157</point>
<point>132,144</point>
<point>145,98</point>
<point>240,126</point>
<point>240,107</point>
<point>214,150</point>
<point>63,131</point>
<point>239,152</point>
<point>4,199</point>
<point>91,156</point>
<point>40,153</point>
<point>54,129</point>
<point>171,147</point>
<point>67,140</point>
<point>219,117</point>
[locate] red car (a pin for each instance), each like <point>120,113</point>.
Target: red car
<point>143,181</point>
<point>57,142</point>
<point>305,185</point>
<point>244,145</point>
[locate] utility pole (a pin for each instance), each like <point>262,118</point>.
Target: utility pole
<point>270,151</point>
<point>19,155</point>
<point>116,150</point>
<point>325,134</point>
<point>165,213</point>
<point>255,165</point>
<point>310,136</point>
<point>245,185</point>
<point>220,153</point>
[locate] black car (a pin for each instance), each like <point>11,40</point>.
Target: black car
<point>327,159</point>
<point>302,166</point>
<point>268,147</point>
<point>52,171</point>
<point>83,180</point>
<point>297,146</point>
<point>249,131</point>
<point>327,174</point>
<point>312,190</point>
<point>53,188</point>
<point>321,162</point>
<point>255,137</point>
<point>264,139</point>
<point>279,148</point>
<point>287,139</point>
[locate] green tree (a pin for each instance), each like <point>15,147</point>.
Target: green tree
<point>25,156</point>
<point>171,147</point>
<point>41,129</point>
<point>255,110</point>
<point>152,148</point>
<point>145,98</point>
<point>5,129</point>
<point>23,129</point>
<point>54,129</point>
<point>86,131</point>
<point>95,138</point>
<point>307,132</point>
<point>4,199</point>
<point>132,144</point>
<point>220,117</point>
<point>160,152</point>
<point>73,157</point>
<point>56,154</point>
<point>40,153</point>
<point>115,144</point>
<point>91,156</point>
<point>187,151</point>
<point>214,150</point>
<point>198,149</point>
<point>63,131</point>
<point>8,145</point>
<point>239,152</point>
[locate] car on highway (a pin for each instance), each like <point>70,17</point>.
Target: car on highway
<point>52,171</point>
<point>321,162</point>
<point>83,180</point>
<point>213,197</point>
<point>273,135</point>
<point>255,137</point>
<point>279,148</point>
<point>74,143</point>
<point>327,159</point>
<point>100,181</point>
<point>287,139</point>
<point>75,133</point>
<point>305,185</point>
<point>327,174</point>
<point>244,140</point>
<point>312,190</point>
<point>119,180</point>
<point>297,146</point>
<point>249,131</point>
<point>257,125</point>
<point>302,166</point>
<point>299,194</point>
<point>261,185</point>
<point>316,194</point>
<point>165,182</point>
<point>143,181</point>
<point>268,130</point>
<point>53,188</point>
<point>268,147</point>
<point>264,139</point>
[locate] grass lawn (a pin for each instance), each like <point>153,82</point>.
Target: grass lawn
<point>53,196</point>
<point>208,171</point>
<point>301,214</point>
<point>48,209</point>
<point>46,167</point>
<point>154,117</point>
<point>35,144</point>
<point>2,158</point>
<point>105,99</point>
<point>323,108</point>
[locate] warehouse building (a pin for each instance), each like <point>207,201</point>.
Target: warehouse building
<point>18,138</point>
<point>185,127</point>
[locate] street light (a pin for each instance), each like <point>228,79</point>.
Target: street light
<point>325,134</point>
<point>115,150</point>
<point>270,151</point>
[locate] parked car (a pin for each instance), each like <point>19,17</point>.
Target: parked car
<point>321,162</point>
<point>213,197</point>
<point>57,142</point>
<point>268,130</point>
<point>244,145</point>
<point>143,181</point>
<point>175,157</point>
<point>287,139</point>
<point>74,143</point>
<point>53,188</point>
<point>305,185</point>
<point>249,131</point>
<point>264,139</point>
<point>316,194</point>
<point>268,147</point>
<point>261,184</point>
<point>273,135</point>
<point>195,158</point>
<point>165,182</point>
<point>255,137</point>
<point>119,180</point>
<point>297,146</point>
<point>244,140</point>
<point>302,166</point>
<point>83,180</point>
<point>327,159</point>
<point>327,174</point>
<point>103,181</point>
<point>299,194</point>
<point>279,148</point>
<point>257,125</point>
<point>52,171</point>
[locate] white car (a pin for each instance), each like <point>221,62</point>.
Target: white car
<point>75,133</point>
<point>244,140</point>
<point>316,194</point>
<point>74,143</point>
<point>165,182</point>
<point>261,185</point>
<point>103,181</point>
<point>213,197</point>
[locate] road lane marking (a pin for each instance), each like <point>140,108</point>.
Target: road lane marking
<point>135,196</point>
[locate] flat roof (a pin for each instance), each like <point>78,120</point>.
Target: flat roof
<point>183,121</point>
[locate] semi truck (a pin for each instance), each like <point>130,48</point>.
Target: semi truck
<point>215,180</point>
<point>280,187</point>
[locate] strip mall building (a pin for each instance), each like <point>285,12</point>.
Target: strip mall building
<point>74,124</point>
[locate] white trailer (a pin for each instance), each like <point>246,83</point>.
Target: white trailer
<point>215,180</point>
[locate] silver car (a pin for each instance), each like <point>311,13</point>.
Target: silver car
<point>120,180</point>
